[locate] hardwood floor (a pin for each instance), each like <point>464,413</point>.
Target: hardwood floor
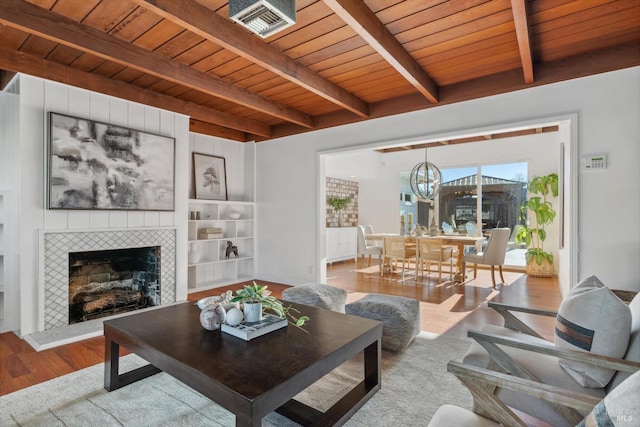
<point>445,309</point>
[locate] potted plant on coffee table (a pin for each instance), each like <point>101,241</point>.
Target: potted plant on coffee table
<point>259,298</point>
<point>542,214</point>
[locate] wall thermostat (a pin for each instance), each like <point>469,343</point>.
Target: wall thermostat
<point>594,161</point>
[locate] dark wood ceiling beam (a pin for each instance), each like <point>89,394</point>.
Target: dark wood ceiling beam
<point>5,78</point>
<point>24,63</point>
<point>601,61</point>
<point>367,25</point>
<point>215,130</point>
<point>521,22</point>
<point>60,29</point>
<point>210,25</point>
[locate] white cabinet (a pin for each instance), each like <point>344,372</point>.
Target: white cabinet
<point>8,261</point>
<point>209,266</point>
<point>342,243</point>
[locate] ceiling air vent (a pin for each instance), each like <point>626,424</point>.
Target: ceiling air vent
<point>263,17</point>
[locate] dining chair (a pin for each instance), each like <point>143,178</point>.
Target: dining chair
<point>493,255</point>
<point>431,250</point>
<point>446,228</point>
<point>471,228</point>
<point>368,229</point>
<point>367,249</point>
<point>395,248</point>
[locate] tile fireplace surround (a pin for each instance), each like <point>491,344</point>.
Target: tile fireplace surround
<point>55,249</point>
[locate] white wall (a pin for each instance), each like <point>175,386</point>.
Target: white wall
<point>608,107</point>
<point>238,163</point>
<point>37,98</point>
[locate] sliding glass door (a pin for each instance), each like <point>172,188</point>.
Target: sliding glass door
<point>475,200</point>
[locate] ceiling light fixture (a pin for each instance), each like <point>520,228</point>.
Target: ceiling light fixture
<point>263,17</point>
<point>425,180</point>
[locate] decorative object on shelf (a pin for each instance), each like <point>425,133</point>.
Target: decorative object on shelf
<point>539,262</point>
<point>94,165</point>
<point>234,215</point>
<point>194,253</point>
<point>231,248</point>
<point>210,233</point>
<point>425,180</point>
<point>197,215</point>
<point>192,215</point>
<point>259,293</point>
<point>339,203</point>
<point>210,177</point>
<point>212,316</point>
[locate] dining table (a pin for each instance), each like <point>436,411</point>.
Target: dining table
<point>458,240</point>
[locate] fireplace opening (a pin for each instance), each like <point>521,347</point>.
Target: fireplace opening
<point>107,282</point>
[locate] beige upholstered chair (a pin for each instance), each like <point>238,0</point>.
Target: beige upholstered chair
<point>394,249</point>
<point>620,407</point>
<point>493,255</point>
<point>366,249</point>
<point>519,350</point>
<point>368,229</point>
<point>430,250</point>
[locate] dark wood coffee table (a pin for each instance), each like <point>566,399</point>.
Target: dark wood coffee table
<point>250,379</point>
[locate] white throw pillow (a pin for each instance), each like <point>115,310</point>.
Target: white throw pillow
<point>621,407</point>
<point>593,319</point>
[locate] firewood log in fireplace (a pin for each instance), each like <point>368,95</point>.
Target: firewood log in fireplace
<point>109,299</point>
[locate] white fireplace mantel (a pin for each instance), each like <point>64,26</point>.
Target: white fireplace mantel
<point>55,246</point>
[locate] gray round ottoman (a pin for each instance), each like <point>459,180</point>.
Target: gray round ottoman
<point>317,295</point>
<point>400,318</point>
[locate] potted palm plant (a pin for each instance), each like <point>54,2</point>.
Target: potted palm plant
<point>338,204</point>
<point>539,262</point>
<point>256,299</point>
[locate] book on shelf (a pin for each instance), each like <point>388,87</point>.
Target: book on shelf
<point>249,331</point>
<point>211,235</point>
<point>211,230</point>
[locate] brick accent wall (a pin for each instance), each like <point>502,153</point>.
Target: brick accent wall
<point>342,188</point>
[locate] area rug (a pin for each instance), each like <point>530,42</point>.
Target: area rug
<point>414,384</point>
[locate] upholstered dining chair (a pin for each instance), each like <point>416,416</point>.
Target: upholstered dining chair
<point>471,228</point>
<point>366,249</point>
<point>430,250</point>
<point>493,255</point>
<point>395,248</point>
<point>368,229</point>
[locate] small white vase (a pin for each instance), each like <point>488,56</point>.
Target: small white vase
<point>252,312</point>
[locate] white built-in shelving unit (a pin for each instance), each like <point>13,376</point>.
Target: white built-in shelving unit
<point>208,265</point>
<point>2,276</point>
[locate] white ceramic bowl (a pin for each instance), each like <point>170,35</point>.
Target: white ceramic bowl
<point>234,215</point>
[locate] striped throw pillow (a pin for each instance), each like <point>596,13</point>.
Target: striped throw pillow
<point>593,319</point>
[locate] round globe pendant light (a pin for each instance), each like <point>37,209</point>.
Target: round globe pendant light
<point>425,180</point>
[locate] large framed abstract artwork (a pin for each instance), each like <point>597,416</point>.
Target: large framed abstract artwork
<point>210,177</point>
<point>94,165</point>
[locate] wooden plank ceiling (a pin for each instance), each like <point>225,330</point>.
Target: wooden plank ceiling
<point>343,61</point>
